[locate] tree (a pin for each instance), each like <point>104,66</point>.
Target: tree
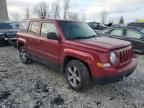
<point>103,16</point>
<point>55,9</point>
<point>41,9</point>
<point>73,16</point>
<point>66,8</point>
<point>121,21</point>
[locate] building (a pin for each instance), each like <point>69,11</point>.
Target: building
<point>3,11</point>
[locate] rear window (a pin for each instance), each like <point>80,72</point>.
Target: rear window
<point>6,26</point>
<point>24,26</point>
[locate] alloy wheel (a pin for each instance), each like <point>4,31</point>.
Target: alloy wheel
<point>73,75</point>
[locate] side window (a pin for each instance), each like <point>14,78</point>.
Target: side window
<point>24,26</point>
<point>47,28</point>
<point>133,34</point>
<point>117,32</point>
<point>34,28</point>
<point>106,31</point>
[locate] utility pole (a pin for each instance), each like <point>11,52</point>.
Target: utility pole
<point>3,11</point>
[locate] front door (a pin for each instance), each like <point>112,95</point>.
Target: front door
<point>49,49</point>
<point>117,33</point>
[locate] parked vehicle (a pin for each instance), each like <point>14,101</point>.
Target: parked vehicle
<point>16,24</point>
<point>96,26</point>
<point>76,50</point>
<point>132,34</point>
<point>136,24</point>
<point>7,33</point>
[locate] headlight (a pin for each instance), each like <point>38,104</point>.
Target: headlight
<point>113,58</point>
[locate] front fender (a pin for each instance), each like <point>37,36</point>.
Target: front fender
<point>83,56</point>
<point>21,41</point>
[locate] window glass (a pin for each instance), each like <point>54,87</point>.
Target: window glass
<point>117,32</point>
<point>6,26</point>
<point>106,31</point>
<point>142,31</point>
<point>77,30</point>
<point>47,28</point>
<point>133,34</point>
<point>34,28</point>
<point>24,26</point>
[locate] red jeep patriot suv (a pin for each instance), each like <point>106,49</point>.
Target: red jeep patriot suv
<point>76,50</point>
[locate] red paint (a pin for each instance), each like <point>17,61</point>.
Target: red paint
<point>86,50</point>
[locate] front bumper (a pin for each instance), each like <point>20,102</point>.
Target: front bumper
<point>7,39</point>
<point>121,74</point>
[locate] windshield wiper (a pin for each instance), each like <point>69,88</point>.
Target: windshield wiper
<point>87,37</point>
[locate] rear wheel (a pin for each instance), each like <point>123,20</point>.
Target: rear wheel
<point>23,55</point>
<point>77,75</point>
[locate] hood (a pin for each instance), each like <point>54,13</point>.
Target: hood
<point>8,30</point>
<point>102,43</point>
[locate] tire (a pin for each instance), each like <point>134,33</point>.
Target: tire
<point>23,55</point>
<point>77,75</point>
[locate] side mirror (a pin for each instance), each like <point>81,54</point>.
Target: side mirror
<point>52,35</point>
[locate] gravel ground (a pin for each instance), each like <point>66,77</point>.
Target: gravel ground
<point>38,86</point>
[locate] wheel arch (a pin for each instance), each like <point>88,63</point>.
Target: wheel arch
<point>20,42</point>
<point>84,58</point>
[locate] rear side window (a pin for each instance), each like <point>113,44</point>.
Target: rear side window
<point>133,34</point>
<point>34,28</point>
<point>24,26</point>
<point>47,28</point>
<point>117,32</point>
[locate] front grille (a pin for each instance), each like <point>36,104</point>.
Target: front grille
<point>124,55</point>
<point>10,35</point>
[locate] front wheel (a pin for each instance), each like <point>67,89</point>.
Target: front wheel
<point>23,55</point>
<point>77,75</point>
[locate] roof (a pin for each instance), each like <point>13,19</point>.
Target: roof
<point>130,27</point>
<point>46,19</point>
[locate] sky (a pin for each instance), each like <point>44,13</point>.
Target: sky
<point>130,9</point>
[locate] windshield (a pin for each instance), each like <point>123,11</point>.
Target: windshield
<point>6,26</point>
<point>77,30</point>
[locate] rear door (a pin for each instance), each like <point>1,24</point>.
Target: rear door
<point>49,49</point>
<point>117,33</point>
<point>136,38</point>
<point>32,37</point>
